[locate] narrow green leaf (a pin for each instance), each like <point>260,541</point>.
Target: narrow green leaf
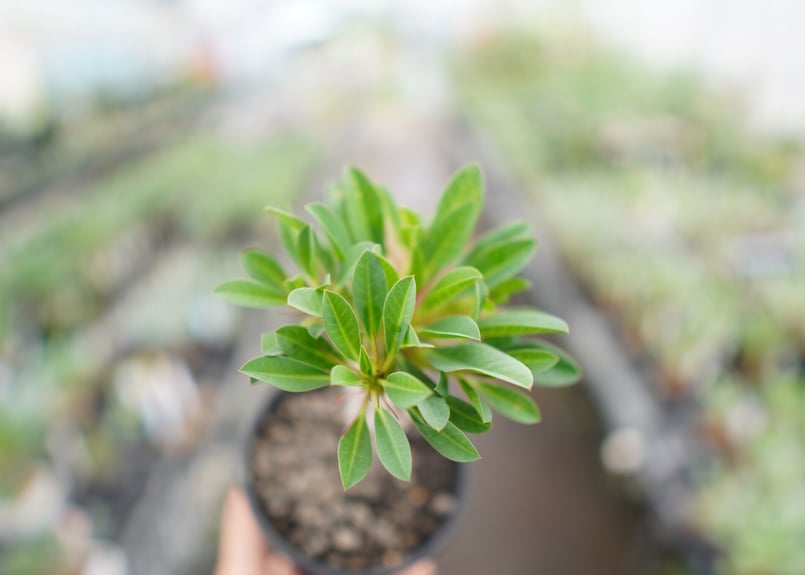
<point>295,282</point>
<point>411,339</point>
<point>306,251</point>
<point>350,259</point>
<point>445,240</point>
<point>286,374</point>
<point>405,390</point>
<point>472,394</point>
<point>455,218</point>
<point>263,268</point>
<point>566,371</point>
<point>343,376</point>
<point>501,262</point>
<point>454,282</point>
<point>288,229</point>
<point>537,360</point>
<point>460,326</point>
<point>450,441</point>
<point>315,330</point>
<point>465,417</point>
<point>479,301</point>
<point>483,359</point>
<point>369,291</point>
<point>507,288</point>
<point>297,343</point>
<point>249,293</point>
<point>442,387</point>
<point>392,444</point>
<point>392,277</point>
<point>435,412</point>
<point>308,300</point>
<point>355,452</point>
<point>520,321</point>
<point>370,206</point>
<point>286,217</point>
<point>500,236</point>
<point>366,362</point>
<point>332,226</point>
<point>341,324</point>
<point>269,344</point>
<point>510,403</point>
<point>398,310</point>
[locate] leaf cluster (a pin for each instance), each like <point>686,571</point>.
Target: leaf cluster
<point>408,313</point>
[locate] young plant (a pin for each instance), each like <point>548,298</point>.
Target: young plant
<point>408,314</point>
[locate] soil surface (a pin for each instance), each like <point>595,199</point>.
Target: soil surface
<point>376,523</point>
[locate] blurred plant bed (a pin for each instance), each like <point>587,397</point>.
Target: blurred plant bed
<point>686,228</point>
<point>90,293</point>
<point>753,502</point>
<point>96,140</point>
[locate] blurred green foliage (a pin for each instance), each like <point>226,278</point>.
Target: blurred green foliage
<point>687,228</point>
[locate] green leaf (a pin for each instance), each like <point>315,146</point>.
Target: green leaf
<point>455,218</point>
<point>350,259</point>
<point>501,262</point>
<point>510,403</point>
<point>565,372</point>
<point>393,448</point>
<point>366,362</point>
<point>315,330</point>
<point>465,417</point>
<point>263,268</point>
<point>343,376</point>
<point>269,344</point>
<point>445,240</point>
<point>398,310</point>
<point>369,204</point>
<point>507,288</point>
<point>501,236</point>
<point>404,390</point>
<point>249,293</point>
<point>450,441</point>
<point>286,374</point>
<point>306,251</point>
<point>355,452</point>
<point>453,326</point>
<point>297,343</point>
<point>536,359</point>
<point>435,412</point>
<point>332,226</point>
<point>391,274</point>
<point>288,229</point>
<point>454,282</point>
<point>341,325</point>
<point>483,359</point>
<point>308,300</point>
<point>479,301</point>
<point>442,387</point>
<point>472,394</point>
<point>411,339</point>
<point>369,291</point>
<point>520,321</point>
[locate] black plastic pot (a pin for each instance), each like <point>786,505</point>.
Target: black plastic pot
<point>309,565</point>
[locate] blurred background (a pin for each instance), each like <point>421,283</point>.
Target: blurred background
<point>657,148</point>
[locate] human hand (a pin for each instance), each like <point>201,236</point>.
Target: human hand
<point>243,550</point>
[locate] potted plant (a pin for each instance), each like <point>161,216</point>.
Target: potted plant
<point>403,332</point>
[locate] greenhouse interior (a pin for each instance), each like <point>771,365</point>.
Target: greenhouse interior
<point>654,150</point>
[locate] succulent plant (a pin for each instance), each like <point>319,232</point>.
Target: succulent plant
<point>409,315</point>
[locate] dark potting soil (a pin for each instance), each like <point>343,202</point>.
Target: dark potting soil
<point>376,523</point>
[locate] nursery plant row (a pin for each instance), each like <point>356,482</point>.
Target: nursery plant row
<point>104,301</point>
<point>688,232</point>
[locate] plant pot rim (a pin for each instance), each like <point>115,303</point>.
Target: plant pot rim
<point>435,542</point>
